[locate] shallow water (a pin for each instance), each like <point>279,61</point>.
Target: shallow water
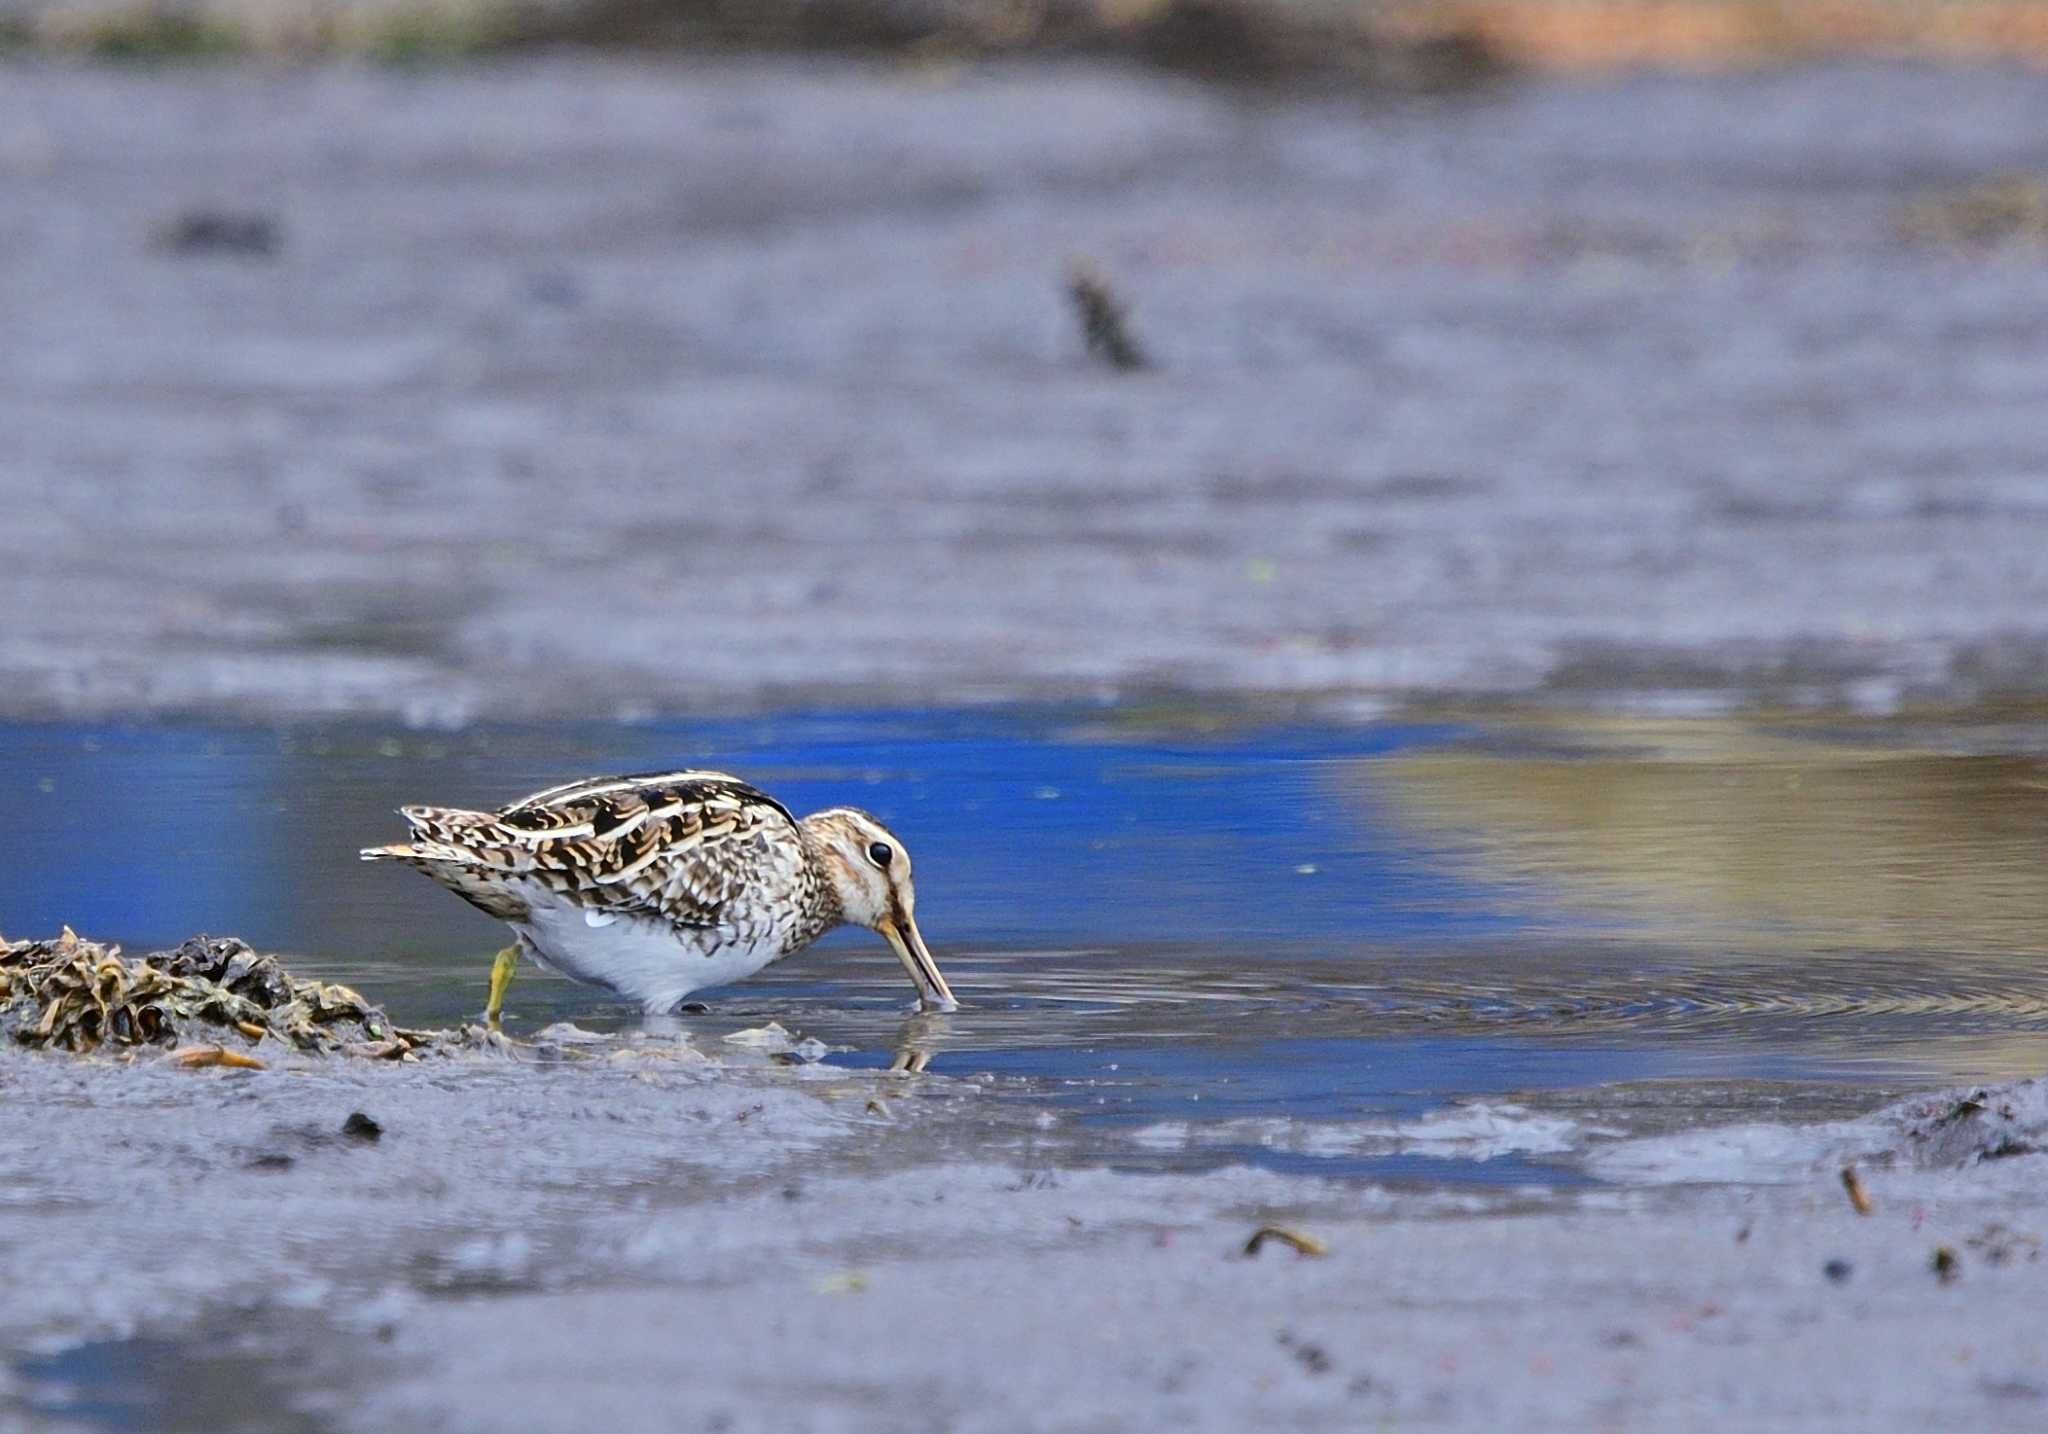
<point>1166,931</point>
<point>166,1386</point>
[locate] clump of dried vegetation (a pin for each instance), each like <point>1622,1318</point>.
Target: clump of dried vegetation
<point>1403,44</point>
<point>2006,209</point>
<point>72,994</point>
<point>1256,40</point>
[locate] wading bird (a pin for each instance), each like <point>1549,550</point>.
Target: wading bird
<point>656,886</point>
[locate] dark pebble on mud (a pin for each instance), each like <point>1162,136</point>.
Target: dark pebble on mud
<point>212,231</point>
<point>361,1127</point>
<point>1838,1270</point>
<point>554,288</point>
<point>2013,1389</point>
<point>1310,1356</point>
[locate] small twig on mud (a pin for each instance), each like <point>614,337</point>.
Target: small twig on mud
<point>1295,1240</point>
<point>214,1056</point>
<point>1103,324</point>
<point>1858,1196</point>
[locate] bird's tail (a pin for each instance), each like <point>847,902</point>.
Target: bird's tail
<point>440,834</point>
<point>453,847</point>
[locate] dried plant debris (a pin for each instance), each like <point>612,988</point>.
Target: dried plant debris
<point>2005,209</point>
<point>1980,1124</point>
<point>1104,326</point>
<point>1298,1241</point>
<point>193,1057</point>
<point>211,999</point>
<point>1859,1198</point>
<point>2000,1244</point>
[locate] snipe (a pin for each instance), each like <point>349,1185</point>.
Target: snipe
<point>659,885</point>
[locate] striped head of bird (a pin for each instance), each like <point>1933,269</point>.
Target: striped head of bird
<point>869,871</point>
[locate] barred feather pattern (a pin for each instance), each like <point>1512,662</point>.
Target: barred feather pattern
<point>719,865</point>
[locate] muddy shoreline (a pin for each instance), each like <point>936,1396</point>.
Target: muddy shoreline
<point>607,387</point>
<point>664,1226</point>
<point>645,1239</point>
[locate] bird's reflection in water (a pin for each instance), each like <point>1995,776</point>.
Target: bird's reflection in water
<point>911,1046</point>
<point>917,1040</point>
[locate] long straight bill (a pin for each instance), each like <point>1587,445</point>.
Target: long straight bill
<point>932,991</point>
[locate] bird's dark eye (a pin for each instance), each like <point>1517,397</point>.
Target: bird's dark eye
<point>880,853</point>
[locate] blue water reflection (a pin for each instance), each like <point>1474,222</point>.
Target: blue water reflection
<point>1027,828</point>
<point>1144,928</point>
<point>142,833</point>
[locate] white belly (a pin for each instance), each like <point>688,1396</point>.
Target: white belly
<point>647,961</point>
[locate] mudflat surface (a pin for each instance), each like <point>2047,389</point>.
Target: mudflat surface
<point>603,387</point>
<point>576,387</point>
<point>642,1235</point>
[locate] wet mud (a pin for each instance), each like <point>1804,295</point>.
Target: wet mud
<point>628,386</point>
<point>710,1241</point>
<point>565,387</point>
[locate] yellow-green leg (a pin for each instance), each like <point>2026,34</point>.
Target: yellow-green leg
<point>501,976</point>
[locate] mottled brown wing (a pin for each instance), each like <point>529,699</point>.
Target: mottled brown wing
<point>681,844</point>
